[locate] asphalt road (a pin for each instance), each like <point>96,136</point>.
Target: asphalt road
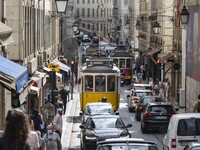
<point>127,117</point>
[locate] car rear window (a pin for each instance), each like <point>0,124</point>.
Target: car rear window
<point>164,109</point>
<point>188,127</point>
<point>143,88</point>
<point>143,94</point>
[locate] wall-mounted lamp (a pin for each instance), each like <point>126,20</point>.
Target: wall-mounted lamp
<point>127,22</point>
<point>137,25</point>
<point>61,5</point>
<point>156,27</point>
<point>184,15</point>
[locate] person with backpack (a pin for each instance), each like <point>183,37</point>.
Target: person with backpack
<point>197,105</point>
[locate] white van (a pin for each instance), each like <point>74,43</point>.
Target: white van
<point>182,129</point>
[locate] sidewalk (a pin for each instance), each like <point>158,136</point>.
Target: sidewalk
<point>68,119</point>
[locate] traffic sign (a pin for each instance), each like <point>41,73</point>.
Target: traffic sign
<point>55,67</point>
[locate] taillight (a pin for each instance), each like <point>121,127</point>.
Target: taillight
<point>170,115</point>
<point>147,115</point>
<point>173,143</point>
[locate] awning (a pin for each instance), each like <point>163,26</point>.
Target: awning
<point>12,75</point>
<point>168,57</point>
<point>63,66</point>
<point>5,34</point>
<point>151,51</point>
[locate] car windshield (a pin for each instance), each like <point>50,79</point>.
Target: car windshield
<point>164,109</point>
<point>128,147</point>
<point>147,100</point>
<point>99,109</point>
<point>102,123</point>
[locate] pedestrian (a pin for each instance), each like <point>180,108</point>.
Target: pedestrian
<point>37,120</point>
<point>16,131</point>
<point>161,91</point>
<point>167,86</point>
<point>57,122</point>
<point>67,89</point>
<point>156,89</point>
<point>63,95</point>
<point>33,139</point>
<point>197,105</point>
<point>52,139</point>
<point>41,141</point>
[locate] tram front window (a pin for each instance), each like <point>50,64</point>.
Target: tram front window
<point>122,63</point>
<point>111,83</point>
<point>128,63</point>
<point>100,84</point>
<point>88,83</point>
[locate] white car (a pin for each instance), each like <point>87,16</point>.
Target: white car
<point>183,129</point>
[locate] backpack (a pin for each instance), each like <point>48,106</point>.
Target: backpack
<point>198,106</point>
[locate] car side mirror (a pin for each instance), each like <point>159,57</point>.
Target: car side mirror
<point>81,113</point>
<point>82,126</point>
<point>117,113</point>
<point>128,125</point>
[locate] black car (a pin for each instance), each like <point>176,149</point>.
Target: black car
<point>192,146</point>
<point>101,127</point>
<point>156,116</point>
<point>97,108</point>
<point>143,102</point>
<point>126,144</point>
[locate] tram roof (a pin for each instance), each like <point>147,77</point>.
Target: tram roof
<point>100,65</point>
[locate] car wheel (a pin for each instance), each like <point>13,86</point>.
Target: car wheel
<point>142,128</point>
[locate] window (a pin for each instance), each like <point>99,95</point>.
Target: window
<point>93,14</point>
<point>83,1</point>
<point>88,83</point>
<point>188,127</point>
<point>97,12</point>
<point>122,63</point>
<point>93,1</point>
<point>100,83</point>
<point>111,83</point>
<point>83,12</point>
<point>88,1</point>
<point>88,12</point>
<point>128,63</point>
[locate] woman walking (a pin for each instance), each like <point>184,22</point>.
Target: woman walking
<point>16,131</point>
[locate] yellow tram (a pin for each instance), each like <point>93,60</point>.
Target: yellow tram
<point>100,77</point>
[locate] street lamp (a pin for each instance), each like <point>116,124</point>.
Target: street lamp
<point>184,15</point>
<point>156,27</point>
<point>61,5</point>
<point>72,78</point>
<point>184,20</point>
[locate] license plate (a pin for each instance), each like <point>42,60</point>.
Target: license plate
<point>161,117</point>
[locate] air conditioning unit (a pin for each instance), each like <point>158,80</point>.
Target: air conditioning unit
<point>40,60</point>
<point>32,65</point>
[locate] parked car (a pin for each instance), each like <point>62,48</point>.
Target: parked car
<point>126,144</point>
<point>183,129</point>
<point>101,127</point>
<point>143,102</point>
<point>193,146</point>
<point>134,96</point>
<point>156,116</point>
<point>98,108</point>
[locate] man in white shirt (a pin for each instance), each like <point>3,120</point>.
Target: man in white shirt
<point>57,122</point>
